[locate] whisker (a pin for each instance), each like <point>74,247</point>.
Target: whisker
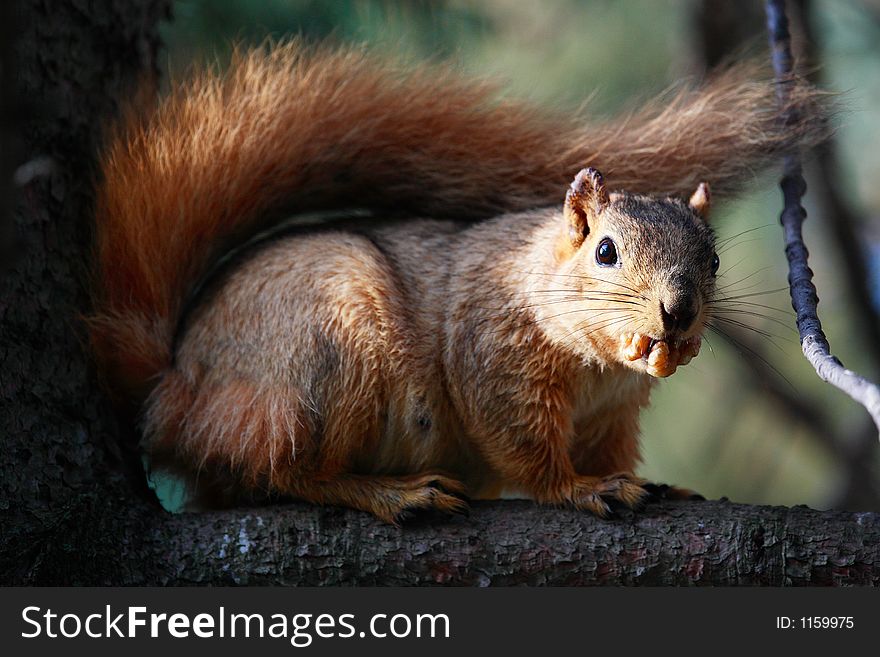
<point>784,311</point>
<point>752,313</point>
<point>709,344</point>
<point>503,312</point>
<point>753,294</point>
<point>574,294</point>
<point>570,299</point>
<point>583,332</point>
<point>736,244</point>
<point>733,266</point>
<point>590,328</point>
<point>763,333</point>
<point>537,320</point>
<point>750,230</point>
<point>584,277</point>
<point>575,291</point>
<point>745,278</point>
<point>739,345</point>
<point>728,289</point>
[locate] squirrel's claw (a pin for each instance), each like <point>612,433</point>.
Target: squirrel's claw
<point>635,346</point>
<point>429,495</point>
<point>658,492</point>
<point>607,497</point>
<point>661,357</point>
<point>689,349</point>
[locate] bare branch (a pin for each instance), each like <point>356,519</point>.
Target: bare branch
<point>804,299</point>
<point>842,221</point>
<point>514,542</point>
<point>509,542</point>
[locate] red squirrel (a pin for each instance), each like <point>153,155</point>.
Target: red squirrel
<point>480,330</point>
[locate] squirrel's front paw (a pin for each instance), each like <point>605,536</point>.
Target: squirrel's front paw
<point>600,495</point>
<point>660,357</point>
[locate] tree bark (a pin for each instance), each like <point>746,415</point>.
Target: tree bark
<point>60,448</point>
<point>517,542</point>
<point>73,505</point>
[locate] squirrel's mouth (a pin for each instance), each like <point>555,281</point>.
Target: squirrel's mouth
<point>661,357</point>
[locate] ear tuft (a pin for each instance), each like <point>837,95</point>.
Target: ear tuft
<point>587,194</point>
<point>701,200</point>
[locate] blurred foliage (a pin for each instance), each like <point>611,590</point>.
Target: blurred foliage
<point>710,427</point>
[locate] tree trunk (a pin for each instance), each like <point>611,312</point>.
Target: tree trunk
<point>60,452</point>
<point>73,505</point>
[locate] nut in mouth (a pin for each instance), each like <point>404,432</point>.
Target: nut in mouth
<point>661,357</point>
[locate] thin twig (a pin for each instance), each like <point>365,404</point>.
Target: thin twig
<point>804,299</point>
<point>842,220</point>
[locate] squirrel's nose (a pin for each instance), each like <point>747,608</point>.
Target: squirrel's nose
<point>678,315</point>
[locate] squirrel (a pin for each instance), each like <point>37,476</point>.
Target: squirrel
<point>480,331</point>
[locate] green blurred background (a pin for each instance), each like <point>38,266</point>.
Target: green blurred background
<point>728,424</point>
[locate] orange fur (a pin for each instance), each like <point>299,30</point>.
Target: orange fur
<point>357,366</point>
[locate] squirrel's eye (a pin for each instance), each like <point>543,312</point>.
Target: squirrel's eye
<point>715,263</point>
<point>606,252</point>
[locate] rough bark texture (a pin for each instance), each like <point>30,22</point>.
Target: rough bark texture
<point>517,542</point>
<point>69,513</point>
<point>59,449</point>
<point>501,544</point>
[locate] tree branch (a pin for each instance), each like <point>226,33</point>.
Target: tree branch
<point>804,299</point>
<point>510,542</point>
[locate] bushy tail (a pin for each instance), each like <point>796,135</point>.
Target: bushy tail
<point>299,129</point>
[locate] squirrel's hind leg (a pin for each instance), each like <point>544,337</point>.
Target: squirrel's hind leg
<point>237,439</point>
<point>392,499</point>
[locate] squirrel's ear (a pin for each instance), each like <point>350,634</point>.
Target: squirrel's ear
<point>586,195</point>
<point>701,200</point>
